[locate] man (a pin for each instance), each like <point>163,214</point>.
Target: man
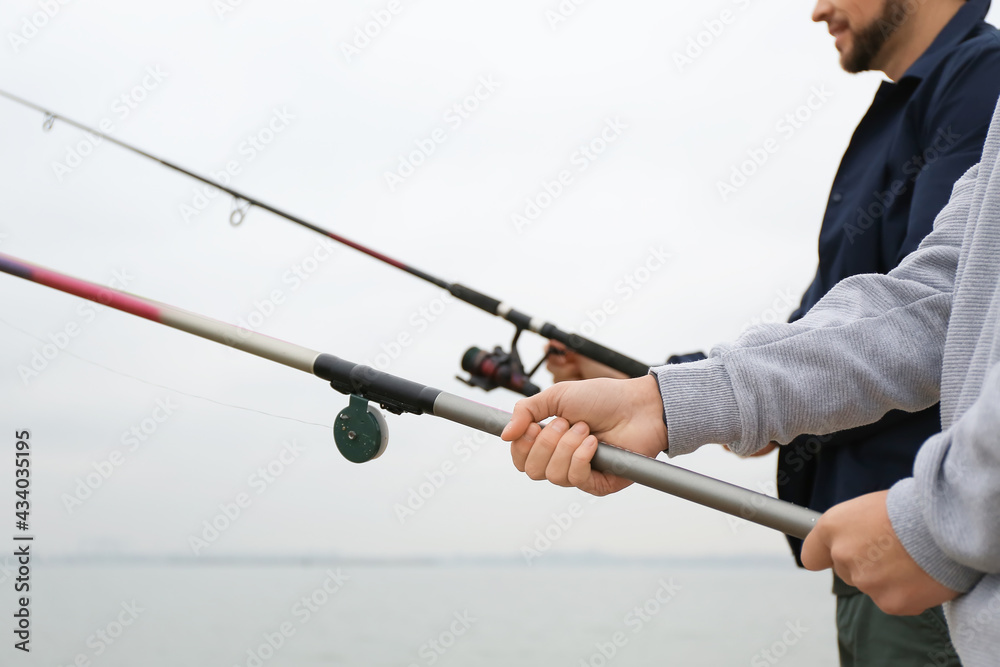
<point>924,129</point>
<point>927,331</point>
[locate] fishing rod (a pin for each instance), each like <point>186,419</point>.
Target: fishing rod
<point>487,370</point>
<point>360,431</point>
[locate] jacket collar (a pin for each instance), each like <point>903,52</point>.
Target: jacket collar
<point>967,20</point>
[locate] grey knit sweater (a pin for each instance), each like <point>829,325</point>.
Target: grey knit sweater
<point>927,331</point>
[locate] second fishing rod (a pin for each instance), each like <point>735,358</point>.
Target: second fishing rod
<point>487,370</point>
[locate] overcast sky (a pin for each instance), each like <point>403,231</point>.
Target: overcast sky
<point>307,115</point>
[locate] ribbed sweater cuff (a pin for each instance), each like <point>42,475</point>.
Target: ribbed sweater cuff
<point>906,512</point>
<point>699,405</point>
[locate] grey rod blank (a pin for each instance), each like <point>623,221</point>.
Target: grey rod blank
<point>758,508</point>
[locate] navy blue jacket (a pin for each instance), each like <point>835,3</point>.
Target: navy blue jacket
<point>919,136</point>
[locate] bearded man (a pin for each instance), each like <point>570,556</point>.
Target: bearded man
<point>924,129</point>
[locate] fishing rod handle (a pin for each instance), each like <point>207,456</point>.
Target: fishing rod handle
<point>596,351</point>
<point>587,348</point>
<point>400,395</point>
<point>731,499</point>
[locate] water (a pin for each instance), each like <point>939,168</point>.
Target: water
<point>470,615</point>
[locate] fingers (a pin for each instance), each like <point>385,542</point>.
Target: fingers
<point>590,369</point>
<point>580,472</point>
<point>825,547</point>
<point>563,366</point>
<point>558,453</point>
<point>816,554</point>
<point>545,445</point>
<point>768,448</point>
<point>519,448</point>
<point>857,539</point>
<point>559,464</point>
<point>528,411</point>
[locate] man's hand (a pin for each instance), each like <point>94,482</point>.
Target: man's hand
<point>856,539</point>
<point>627,413</point>
<point>566,365</point>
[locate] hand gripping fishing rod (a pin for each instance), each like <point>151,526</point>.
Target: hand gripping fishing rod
<point>360,431</point>
<point>487,370</point>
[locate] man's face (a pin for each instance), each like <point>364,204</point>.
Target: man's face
<point>861,29</point>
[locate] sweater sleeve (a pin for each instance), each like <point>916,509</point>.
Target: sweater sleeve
<point>873,344</point>
<point>947,515</point>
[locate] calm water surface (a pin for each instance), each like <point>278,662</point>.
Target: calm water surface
<point>468,615</point>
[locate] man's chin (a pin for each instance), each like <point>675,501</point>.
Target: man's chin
<point>845,49</point>
<point>850,64</point>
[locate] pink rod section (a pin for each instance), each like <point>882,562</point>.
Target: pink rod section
<point>257,344</point>
<point>88,290</point>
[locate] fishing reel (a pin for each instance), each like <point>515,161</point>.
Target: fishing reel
<point>499,368</point>
<point>360,431</point>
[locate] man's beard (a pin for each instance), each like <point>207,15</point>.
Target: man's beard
<point>869,41</point>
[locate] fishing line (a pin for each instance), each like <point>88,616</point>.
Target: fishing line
<point>360,430</point>
<point>162,386</point>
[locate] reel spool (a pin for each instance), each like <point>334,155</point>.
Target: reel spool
<point>360,431</point>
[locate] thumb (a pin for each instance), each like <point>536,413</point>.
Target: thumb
<point>816,553</point>
<point>529,411</point>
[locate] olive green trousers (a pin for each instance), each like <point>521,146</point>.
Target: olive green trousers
<point>868,637</point>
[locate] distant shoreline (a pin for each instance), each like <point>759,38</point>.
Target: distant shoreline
<point>551,560</point>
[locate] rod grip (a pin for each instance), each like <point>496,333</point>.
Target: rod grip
<point>596,351</point>
<point>701,489</point>
<point>731,499</point>
<point>472,297</point>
